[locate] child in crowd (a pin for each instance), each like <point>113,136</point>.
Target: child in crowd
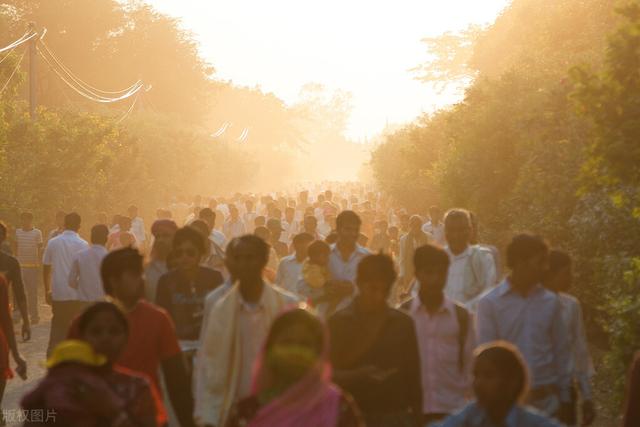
<point>315,269</point>
<point>500,384</point>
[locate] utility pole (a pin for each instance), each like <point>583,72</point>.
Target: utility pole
<point>32,72</point>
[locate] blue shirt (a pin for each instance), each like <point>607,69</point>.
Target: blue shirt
<point>535,325</point>
<point>345,270</point>
<point>475,416</point>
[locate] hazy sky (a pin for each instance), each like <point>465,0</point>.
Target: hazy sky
<point>364,47</point>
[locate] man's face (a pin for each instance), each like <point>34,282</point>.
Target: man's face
<point>302,249</point>
<point>489,384</point>
<point>534,269</point>
<point>276,232</point>
<point>133,212</point>
<point>244,262</point>
<point>458,233</point>
<point>128,287</point>
<point>373,295</point>
<point>432,279</point>
<point>415,225</point>
<point>163,240</point>
<point>310,225</point>
<point>26,222</point>
<point>348,233</point>
<point>187,256</point>
<point>234,214</point>
<point>289,215</point>
<point>435,215</point>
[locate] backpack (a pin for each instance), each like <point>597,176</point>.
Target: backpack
<point>463,318</point>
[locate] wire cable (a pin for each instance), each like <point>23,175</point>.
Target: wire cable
<point>25,38</point>
<point>13,73</point>
<point>86,86</point>
<point>84,93</point>
<point>128,112</point>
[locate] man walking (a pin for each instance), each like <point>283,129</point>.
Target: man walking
<point>521,311</point>
<point>85,267</point>
<point>57,261</point>
<point>28,251</point>
<point>10,268</point>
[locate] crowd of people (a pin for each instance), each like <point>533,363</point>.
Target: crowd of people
<point>319,308</point>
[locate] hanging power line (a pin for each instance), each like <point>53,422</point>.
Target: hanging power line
<point>25,38</point>
<point>129,110</point>
<point>83,93</point>
<point>15,69</point>
<point>98,93</point>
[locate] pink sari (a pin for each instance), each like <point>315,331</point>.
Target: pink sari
<point>314,401</point>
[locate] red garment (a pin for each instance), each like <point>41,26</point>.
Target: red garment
<point>55,395</point>
<point>632,409</point>
<point>152,339</point>
<point>6,325</point>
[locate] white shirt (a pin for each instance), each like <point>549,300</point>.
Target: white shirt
<point>218,238</point>
<point>289,272</point>
<point>28,243</point>
<point>84,276</point>
<point>445,388</point>
<point>137,228</point>
<point>233,229</point>
<point>253,327</point>
<point>59,255</point>
<point>471,273</point>
<point>436,233</point>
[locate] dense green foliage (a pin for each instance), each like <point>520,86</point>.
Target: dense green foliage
<point>93,157</point>
<point>542,143</point>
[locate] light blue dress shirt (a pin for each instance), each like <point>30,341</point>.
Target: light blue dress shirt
<point>475,416</point>
<point>535,325</point>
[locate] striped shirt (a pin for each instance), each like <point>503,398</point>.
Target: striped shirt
<point>28,243</point>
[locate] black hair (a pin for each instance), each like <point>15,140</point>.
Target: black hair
<point>301,238</point>
<point>347,217</point>
<point>508,362</point>
<point>457,213</point>
<point>207,213</point>
<point>297,316</point>
<point>188,234</point>
<point>331,238</point>
<point>99,234</point>
<point>318,246</point>
<point>430,255</point>
<point>72,221</point>
<point>116,263</point>
<point>557,261</point>
<point>201,226</point>
<point>377,267</point>
<point>99,307</point>
<point>252,240</point>
<point>524,247</point>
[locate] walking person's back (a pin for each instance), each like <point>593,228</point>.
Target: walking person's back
<point>57,261</point>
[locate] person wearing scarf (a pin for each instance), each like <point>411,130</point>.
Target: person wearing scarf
<point>292,383</point>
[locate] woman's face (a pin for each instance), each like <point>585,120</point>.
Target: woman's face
<point>490,385</point>
<point>187,256</point>
<point>293,352</point>
<point>106,334</point>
